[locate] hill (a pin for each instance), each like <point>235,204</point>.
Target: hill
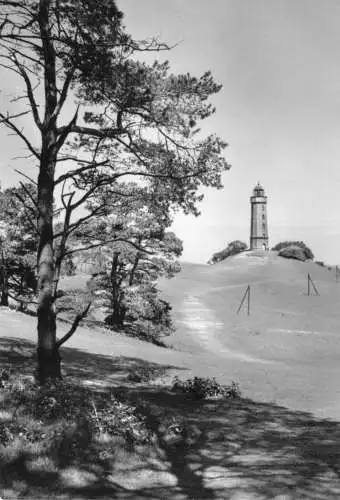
<point>287,350</point>
<point>284,353</point>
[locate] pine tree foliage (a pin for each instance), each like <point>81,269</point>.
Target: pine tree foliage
<point>138,250</point>
<point>18,245</point>
<point>102,117</point>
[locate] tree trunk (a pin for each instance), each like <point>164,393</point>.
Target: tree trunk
<point>134,268</point>
<point>48,357</point>
<point>4,285</point>
<point>47,352</point>
<point>116,318</point>
<point>21,292</point>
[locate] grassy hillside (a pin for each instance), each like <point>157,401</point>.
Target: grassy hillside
<point>287,349</point>
<point>285,353</point>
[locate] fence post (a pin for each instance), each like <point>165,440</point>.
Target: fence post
<point>308,284</point>
<point>248,300</point>
<point>246,295</point>
<point>310,281</point>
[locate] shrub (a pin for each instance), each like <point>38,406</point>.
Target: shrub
<point>285,244</point>
<point>138,309</point>
<point>148,314</point>
<point>40,413</point>
<point>61,400</point>
<point>68,267</point>
<point>5,374</point>
<point>54,400</point>
<point>72,301</point>
<point>120,419</point>
<point>9,431</point>
<point>293,252</point>
<point>233,248</point>
<point>320,263</point>
<point>206,388</point>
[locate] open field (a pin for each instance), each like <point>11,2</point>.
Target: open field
<point>263,446</point>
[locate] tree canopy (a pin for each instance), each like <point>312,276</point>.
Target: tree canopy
<point>104,118</point>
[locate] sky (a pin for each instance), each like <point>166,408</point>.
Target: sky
<point>279,111</point>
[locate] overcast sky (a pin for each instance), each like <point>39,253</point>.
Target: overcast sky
<point>279,111</point>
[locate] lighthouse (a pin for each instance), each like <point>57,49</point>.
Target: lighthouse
<point>258,224</point>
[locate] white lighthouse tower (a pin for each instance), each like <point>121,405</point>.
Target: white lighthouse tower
<point>259,224</point>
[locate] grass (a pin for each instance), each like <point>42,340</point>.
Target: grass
<point>286,350</point>
<point>251,448</point>
<point>211,449</point>
<point>69,440</point>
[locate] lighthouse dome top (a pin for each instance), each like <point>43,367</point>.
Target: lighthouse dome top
<point>258,190</point>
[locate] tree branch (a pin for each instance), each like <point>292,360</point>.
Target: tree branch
<point>35,203</point>
<point>72,227</point>
<point>66,130</point>
<point>6,118</point>
<point>106,242</point>
<point>63,95</point>
<point>22,300</point>
<point>79,171</point>
<point>29,218</point>
<point>30,93</point>
<point>26,176</point>
<point>109,133</point>
<point>74,326</point>
<point>8,122</point>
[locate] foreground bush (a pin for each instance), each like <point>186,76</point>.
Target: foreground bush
<point>206,388</point>
<point>307,252</point>
<point>43,413</point>
<point>117,418</point>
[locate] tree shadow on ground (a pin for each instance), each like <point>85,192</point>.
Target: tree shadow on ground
<point>82,366</point>
<point>90,469</point>
<point>216,449</point>
<point>242,449</point>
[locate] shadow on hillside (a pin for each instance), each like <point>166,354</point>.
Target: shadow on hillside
<point>98,370</point>
<point>229,449</point>
<point>243,449</point>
